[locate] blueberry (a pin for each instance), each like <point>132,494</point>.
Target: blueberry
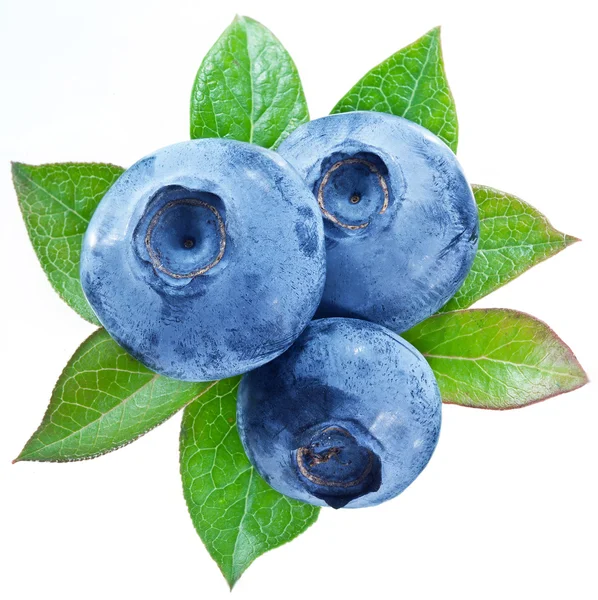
<point>347,416</point>
<point>205,259</point>
<point>401,222</point>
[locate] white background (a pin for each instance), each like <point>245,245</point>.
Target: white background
<point>507,506</point>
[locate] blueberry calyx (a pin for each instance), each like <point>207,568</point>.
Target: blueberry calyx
<point>347,170</point>
<point>181,219</point>
<point>335,467</point>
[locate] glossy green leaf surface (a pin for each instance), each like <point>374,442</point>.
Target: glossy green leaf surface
<point>103,400</point>
<point>412,84</point>
<point>247,88</point>
<point>57,201</point>
<point>496,358</point>
<point>235,512</point>
<point>514,237</point>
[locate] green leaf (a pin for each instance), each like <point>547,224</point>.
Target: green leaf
<point>103,400</point>
<point>247,88</point>
<point>235,512</point>
<point>496,358</point>
<point>514,237</point>
<point>411,84</point>
<point>57,202</point>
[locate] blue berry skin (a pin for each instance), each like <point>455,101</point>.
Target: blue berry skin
<point>205,259</point>
<point>401,222</point>
<point>348,416</point>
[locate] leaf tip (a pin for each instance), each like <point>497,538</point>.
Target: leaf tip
<point>430,38</point>
<point>243,19</point>
<point>22,457</point>
<point>433,34</point>
<point>19,172</point>
<point>584,378</point>
<point>233,577</point>
<point>230,574</point>
<point>16,168</point>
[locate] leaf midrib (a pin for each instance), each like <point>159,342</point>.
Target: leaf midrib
<point>521,246</point>
<point>44,190</point>
<point>101,416</point>
<point>498,360</point>
<point>251,86</point>
<point>240,527</point>
<point>421,74</point>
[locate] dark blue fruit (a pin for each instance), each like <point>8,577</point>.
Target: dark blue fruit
<point>348,416</point>
<point>205,259</point>
<point>400,219</point>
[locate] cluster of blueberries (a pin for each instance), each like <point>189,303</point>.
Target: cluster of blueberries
<point>210,258</point>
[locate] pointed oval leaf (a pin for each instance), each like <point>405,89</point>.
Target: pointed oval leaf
<point>514,237</point>
<point>57,202</point>
<point>247,88</point>
<point>496,358</point>
<point>236,513</point>
<point>412,84</point>
<point>103,400</point>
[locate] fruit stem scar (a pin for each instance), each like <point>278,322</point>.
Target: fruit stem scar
<point>317,458</point>
<point>307,458</point>
<point>188,243</point>
<point>355,198</point>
